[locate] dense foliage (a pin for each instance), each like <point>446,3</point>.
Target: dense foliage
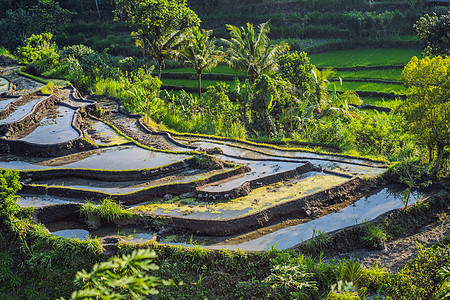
<point>427,110</point>
<point>434,31</point>
<point>160,25</point>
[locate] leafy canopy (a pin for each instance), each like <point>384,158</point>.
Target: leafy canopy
<point>250,51</point>
<point>201,52</point>
<point>159,24</point>
<point>427,108</point>
<point>434,31</point>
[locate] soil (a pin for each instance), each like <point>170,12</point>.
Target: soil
<point>131,129</point>
<point>399,251</point>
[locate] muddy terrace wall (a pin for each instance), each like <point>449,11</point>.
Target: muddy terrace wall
<point>174,189</point>
<point>31,119</point>
<point>107,175</point>
<point>294,208</point>
<point>134,197</point>
<point>24,148</point>
<point>245,188</point>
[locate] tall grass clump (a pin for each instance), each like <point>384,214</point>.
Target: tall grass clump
<point>109,211</point>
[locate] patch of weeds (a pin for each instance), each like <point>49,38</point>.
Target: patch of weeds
<point>420,279</point>
<point>291,278</point>
<point>374,278</point>
<point>208,162</point>
<point>342,290</point>
<point>318,243</point>
<point>375,236</point>
<point>108,211</point>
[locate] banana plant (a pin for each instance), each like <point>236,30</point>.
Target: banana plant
<point>344,104</point>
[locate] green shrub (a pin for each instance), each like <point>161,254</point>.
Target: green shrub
<point>9,181</point>
<point>375,236</point>
<point>420,279</point>
<point>108,211</point>
<point>77,51</point>
<point>125,277</point>
<point>40,52</point>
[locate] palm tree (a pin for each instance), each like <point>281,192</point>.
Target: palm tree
<point>166,46</point>
<point>330,102</point>
<point>321,96</point>
<point>250,51</point>
<point>201,53</point>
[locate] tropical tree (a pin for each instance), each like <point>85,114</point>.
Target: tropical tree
<point>434,31</point>
<point>49,16</point>
<point>297,68</point>
<point>159,25</point>
<point>201,53</point>
<point>426,110</point>
<point>249,50</point>
<point>343,104</point>
<point>271,97</point>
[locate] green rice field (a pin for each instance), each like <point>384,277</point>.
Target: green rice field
<point>370,87</point>
<point>365,57</point>
<point>387,74</point>
<point>381,102</point>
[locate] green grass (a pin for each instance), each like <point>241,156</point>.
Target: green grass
<point>389,74</point>
<point>365,57</point>
<point>370,87</point>
<point>389,103</point>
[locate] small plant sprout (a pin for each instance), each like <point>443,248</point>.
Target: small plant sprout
<point>405,197</point>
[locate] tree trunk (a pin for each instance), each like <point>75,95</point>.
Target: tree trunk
<point>98,10</point>
<point>254,77</point>
<point>160,64</point>
<point>148,109</point>
<point>199,77</point>
<point>440,153</point>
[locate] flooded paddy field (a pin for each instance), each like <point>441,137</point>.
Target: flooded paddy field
<point>124,187</point>
<point>103,135</point>
<point>256,200</point>
<point>21,111</point>
<point>4,102</point>
<point>55,128</point>
<point>22,84</point>
<point>4,84</point>
<point>365,209</point>
<point>112,158</point>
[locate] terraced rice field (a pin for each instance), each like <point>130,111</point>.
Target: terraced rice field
<point>242,187</point>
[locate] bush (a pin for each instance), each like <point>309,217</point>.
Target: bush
<point>9,181</point>
<point>40,52</point>
<point>77,52</point>
<point>420,278</point>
